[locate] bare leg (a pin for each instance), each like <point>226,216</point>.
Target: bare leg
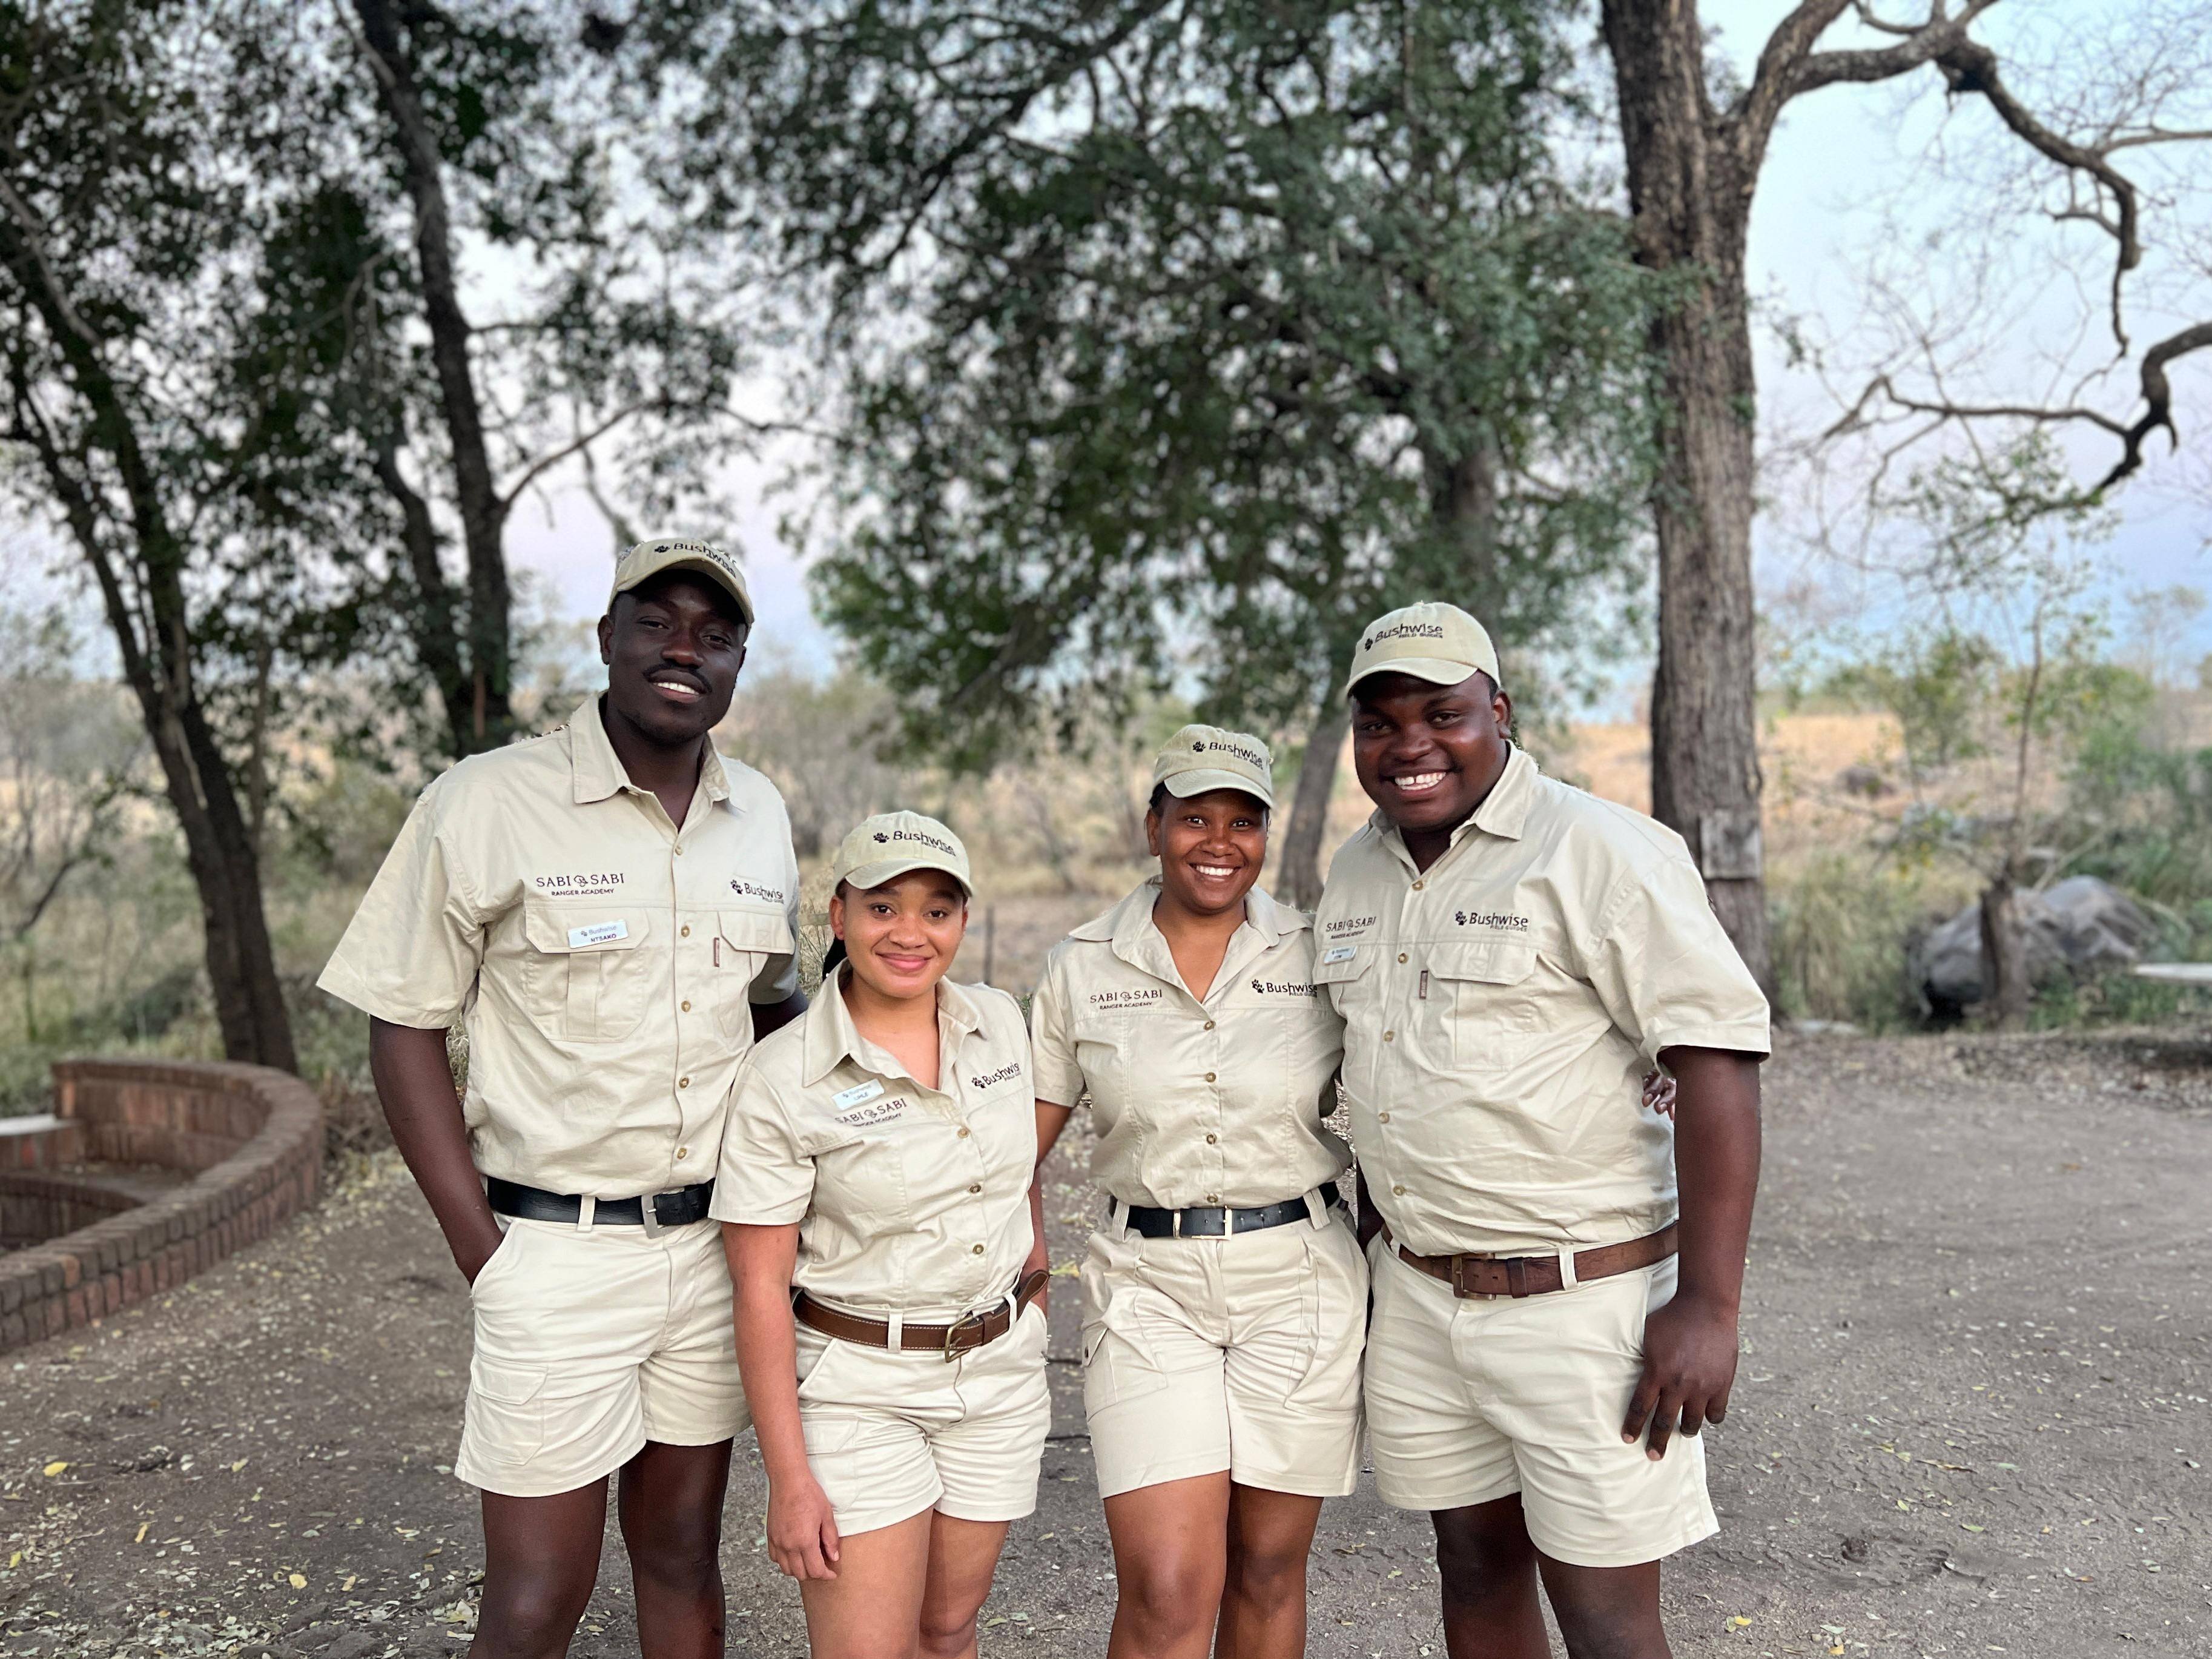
<point>1607,1613</point>
<point>872,1608</point>
<point>1263,1598</point>
<point>963,1556</point>
<point>670,1499</point>
<point>541,1559</point>
<point>1489,1571</point>
<point>1170,1553</point>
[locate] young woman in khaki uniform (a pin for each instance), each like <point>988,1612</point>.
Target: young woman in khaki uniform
<point>875,1188</point>
<point>1224,1295</point>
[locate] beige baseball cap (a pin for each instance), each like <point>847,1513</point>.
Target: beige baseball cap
<point>648,559</point>
<point>886,846</point>
<point>1430,641</point>
<point>1201,758</point>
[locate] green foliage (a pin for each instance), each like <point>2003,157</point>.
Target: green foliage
<point>1183,338</point>
<point>1935,685</point>
<point>1841,925</point>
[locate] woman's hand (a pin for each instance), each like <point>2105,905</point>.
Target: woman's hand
<point>802,1528</point>
<point>1659,1092</point>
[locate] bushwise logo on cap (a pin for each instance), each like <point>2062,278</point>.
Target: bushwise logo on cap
<point>1403,630</point>
<point>880,836</point>
<point>1235,750</point>
<point>925,839</point>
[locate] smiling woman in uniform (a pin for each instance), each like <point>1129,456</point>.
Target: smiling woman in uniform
<point>1224,1295</point>
<point>878,1161</point>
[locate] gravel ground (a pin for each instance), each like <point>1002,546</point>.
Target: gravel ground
<point>1972,1416</point>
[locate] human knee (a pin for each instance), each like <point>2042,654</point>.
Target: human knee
<point>1171,1598</point>
<point>687,1558</point>
<point>1267,1572</point>
<point>531,1612</point>
<point>1479,1558</point>
<point>944,1635</point>
<point>1611,1633</point>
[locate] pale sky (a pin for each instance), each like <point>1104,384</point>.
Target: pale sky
<point>1840,158</point>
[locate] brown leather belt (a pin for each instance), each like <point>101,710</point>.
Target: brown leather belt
<point>962,1336</point>
<point>1535,1276</point>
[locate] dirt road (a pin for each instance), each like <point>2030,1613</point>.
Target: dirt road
<point>1973,1414</point>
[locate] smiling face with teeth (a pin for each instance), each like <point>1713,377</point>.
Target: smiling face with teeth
<point>1427,754</point>
<point>673,647</point>
<point>1210,846</point>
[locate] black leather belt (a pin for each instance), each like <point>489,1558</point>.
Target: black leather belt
<point>681,1208</point>
<point>1213,1222</point>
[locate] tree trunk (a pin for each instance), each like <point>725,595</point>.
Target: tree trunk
<point>486,720</point>
<point>241,963</point>
<point>1689,185</point>
<point>1299,877</point>
<point>2005,988</point>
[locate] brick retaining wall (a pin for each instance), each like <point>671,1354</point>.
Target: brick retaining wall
<point>254,1135</point>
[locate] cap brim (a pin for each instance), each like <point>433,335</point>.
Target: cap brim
<point>1437,670</point>
<point>890,869</point>
<point>1184,784</point>
<point>700,567</point>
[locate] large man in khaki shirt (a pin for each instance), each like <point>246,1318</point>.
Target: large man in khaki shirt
<point>610,908</point>
<point>1510,955</point>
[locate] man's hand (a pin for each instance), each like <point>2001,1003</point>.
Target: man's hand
<point>474,1256</point>
<point>1040,1262</point>
<point>1659,1093</point>
<point>802,1528</point>
<point>1689,1366</point>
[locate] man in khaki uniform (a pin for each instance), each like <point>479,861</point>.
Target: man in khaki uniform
<point>1510,955</point>
<point>609,909</point>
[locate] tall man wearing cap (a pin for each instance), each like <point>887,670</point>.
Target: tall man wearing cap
<point>610,908</point>
<point>1552,1325</point>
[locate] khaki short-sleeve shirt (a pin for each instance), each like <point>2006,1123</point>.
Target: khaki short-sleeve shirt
<point>1215,1099</point>
<point>908,1200</point>
<point>1501,1007</point>
<point>604,963</point>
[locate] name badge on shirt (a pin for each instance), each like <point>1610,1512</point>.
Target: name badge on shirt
<point>858,1093</point>
<point>1339,954</point>
<point>598,933</point>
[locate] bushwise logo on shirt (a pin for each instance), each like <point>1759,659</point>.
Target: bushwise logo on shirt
<point>745,889</point>
<point>1349,924</point>
<point>1271,988</point>
<point>992,1079</point>
<point>1491,918</point>
<point>569,883</point>
<point>1402,631</point>
<point>1137,998</point>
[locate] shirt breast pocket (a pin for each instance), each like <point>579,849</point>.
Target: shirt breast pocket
<point>1346,975</point>
<point>860,1177</point>
<point>744,940</point>
<point>1490,1000</point>
<point>586,976</point>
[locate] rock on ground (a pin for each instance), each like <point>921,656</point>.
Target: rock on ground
<point>1972,1413</point>
<point>2075,929</point>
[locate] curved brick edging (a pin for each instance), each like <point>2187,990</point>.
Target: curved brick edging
<point>254,1137</point>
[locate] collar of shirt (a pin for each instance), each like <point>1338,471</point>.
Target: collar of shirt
<point>1137,940</point>
<point>1503,811</point>
<point>596,772</point>
<point>833,1039</point>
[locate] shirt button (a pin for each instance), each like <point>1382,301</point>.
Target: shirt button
<point>1381,1117</point>
<point>1209,1076</point>
<point>1389,1036</point>
<point>679,853</point>
<point>1399,1191</point>
<point>683,1151</point>
<point>1211,1139</point>
<point>976,1189</point>
<point>687,1008</point>
<point>1213,1197</point>
<point>1402,955</point>
<point>684,1083</point>
<point>1209,1025</point>
<point>963,1136</point>
<point>1417,886</point>
<point>979,1250</point>
<point>685,931</point>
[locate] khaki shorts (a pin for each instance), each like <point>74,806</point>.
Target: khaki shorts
<point>1473,1399</point>
<point>892,1433</point>
<point>1241,1354</point>
<point>588,1344</point>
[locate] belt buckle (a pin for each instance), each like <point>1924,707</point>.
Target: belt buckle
<point>954,1329</point>
<point>1462,1266</point>
<point>648,1214</point>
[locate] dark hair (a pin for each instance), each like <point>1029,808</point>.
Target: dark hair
<point>832,957</point>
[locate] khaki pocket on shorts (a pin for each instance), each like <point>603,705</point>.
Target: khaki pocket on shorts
<point>1337,1303</point>
<point>507,1405</point>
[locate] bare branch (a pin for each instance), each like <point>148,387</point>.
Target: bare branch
<point>584,441</point>
<point>2158,398</point>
